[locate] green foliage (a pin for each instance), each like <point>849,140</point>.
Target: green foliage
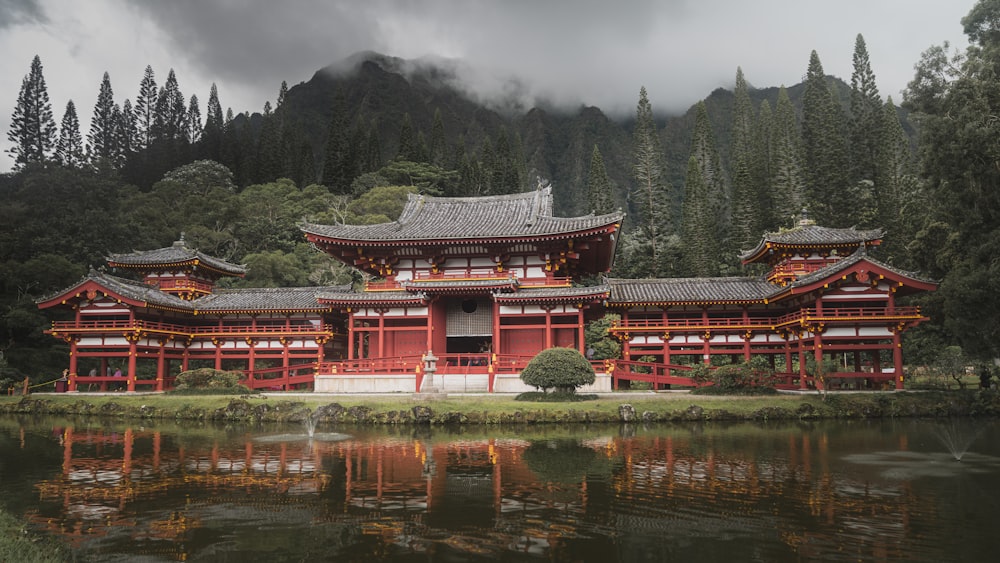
<point>824,145</point>
<point>596,335</point>
<point>562,369</point>
<point>379,205</point>
<point>208,380</point>
<point>554,397</point>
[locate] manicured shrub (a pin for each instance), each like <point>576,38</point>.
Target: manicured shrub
<point>207,378</point>
<point>562,369</point>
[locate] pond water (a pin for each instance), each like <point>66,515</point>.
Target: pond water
<point>843,491</point>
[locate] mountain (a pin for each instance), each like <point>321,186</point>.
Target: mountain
<point>557,143</point>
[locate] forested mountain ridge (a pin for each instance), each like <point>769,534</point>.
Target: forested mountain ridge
<point>348,144</point>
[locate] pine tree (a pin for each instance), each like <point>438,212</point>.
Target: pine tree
<point>32,127</point>
<point>69,148</point>
<point>746,209</point>
<point>788,176</point>
<point>828,193</point>
<point>212,133</point>
<point>866,116</point>
<point>705,200</point>
<point>438,144</point>
<point>145,109</point>
<point>896,181</point>
<point>762,169</point>
<point>504,173</point>
<point>335,175</point>
<point>171,112</point>
<point>126,132</point>
<point>650,191</point>
<point>599,189</point>
<point>700,251</point>
<point>269,154</point>
<point>407,141</point>
<point>102,141</point>
<point>193,120</point>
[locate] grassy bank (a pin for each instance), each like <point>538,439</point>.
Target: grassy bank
<point>16,544</point>
<point>503,409</point>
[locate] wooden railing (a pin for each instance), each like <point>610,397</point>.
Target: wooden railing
<point>500,277</point>
<point>830,314</point>
<point>185,330</point>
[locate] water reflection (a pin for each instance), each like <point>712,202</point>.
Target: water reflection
<point>702,492</point>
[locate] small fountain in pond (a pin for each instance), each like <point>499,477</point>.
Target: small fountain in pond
<point>956,439</point>
<point>309,426</point>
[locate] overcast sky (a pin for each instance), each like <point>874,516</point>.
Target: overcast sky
<point>594,52</point>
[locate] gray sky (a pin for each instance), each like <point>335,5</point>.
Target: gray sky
<point>594,52</point>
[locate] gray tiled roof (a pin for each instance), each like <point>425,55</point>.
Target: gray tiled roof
<point>368,297</point>
<point>805,235</point>
<point>679,290</point>
<point>129,289</point>
<point>849,261</point>
<point>176,254</point>
<point>452,218</point>
<point>264,299</point>
<point>527,293</point>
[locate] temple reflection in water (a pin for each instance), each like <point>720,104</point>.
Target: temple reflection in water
<point>539,492</point>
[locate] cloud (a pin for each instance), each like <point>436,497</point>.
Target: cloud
<point>19,12</point>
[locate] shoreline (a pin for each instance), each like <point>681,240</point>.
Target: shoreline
<point>416,409</point>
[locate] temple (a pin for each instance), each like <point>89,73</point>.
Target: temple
<point>463,292</point>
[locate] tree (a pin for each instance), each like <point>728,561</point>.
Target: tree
<point>32,127</point>
<point>102,141</point>
<point>762,168</point>
<point>898,186</point>
<point>212,133</point>
<point>562,369</point>
<point>866,116</point>
<point>193,133</point>
<point>126,132</point>
<point>825,151</point>
<point>171,112</point>
<point>145,108</point>
<point>705,201</point>
<point>407,140</point>
<point>746,209</point>
<point>599,188</point>
<point>438,145</point>
<point>69,148</point>
<point>787,173</point>
<point>953,99</point>
<point>650,192</point>
<point>335,154</point>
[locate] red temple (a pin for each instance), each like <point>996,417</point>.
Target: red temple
<point>468,290</point>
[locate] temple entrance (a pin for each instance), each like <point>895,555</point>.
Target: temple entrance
<point>470,326</point>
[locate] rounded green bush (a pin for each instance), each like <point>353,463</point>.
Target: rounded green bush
<point>562,369</point>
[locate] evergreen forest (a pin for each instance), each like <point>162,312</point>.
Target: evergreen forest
<point>350,143</point>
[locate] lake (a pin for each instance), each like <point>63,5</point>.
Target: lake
<point>832,491</point>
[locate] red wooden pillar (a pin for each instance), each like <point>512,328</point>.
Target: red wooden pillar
<point>496,329</point>
<point>72,358</point>
<point>217,342</point>
<point>897,359</point>
<point>548,328</point>
<point>818,356</point>
<point>381,334</point>
<point>748,335</point>
<point>160,365</point>
<point>132,353</point>
<point>581,337</point>
<point>184,359</point>
<point>802,362</point>
<point>350,335</point>
<point>706,338</point>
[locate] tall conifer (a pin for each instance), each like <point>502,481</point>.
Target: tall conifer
<point>828,188</point>
<point>102,141</point>
<point>787,177</point>
<point>145,108</point>
<point>32,127</point>
<point>599,199</point>
<point>650,192</point>
<point>746,210</point>
<point>69,148</point>
<point>866,116</point>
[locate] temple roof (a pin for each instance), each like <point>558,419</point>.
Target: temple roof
<point>528,294</point>
<point>459,218</point>
<point>227,300</point>
<point>172,256</point>
<point>685,290</point>
<point>812,235</point>
<point>265,299</point>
